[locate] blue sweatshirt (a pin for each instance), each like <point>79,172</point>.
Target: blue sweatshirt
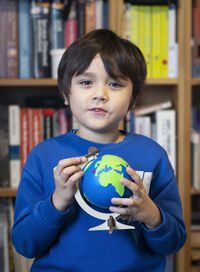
<point>60,241</point>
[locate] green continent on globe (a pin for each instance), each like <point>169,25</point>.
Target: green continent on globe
<point>109,169</point>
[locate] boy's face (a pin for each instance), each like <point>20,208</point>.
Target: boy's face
<point>97,101</point>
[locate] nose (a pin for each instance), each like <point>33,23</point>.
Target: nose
<point>100,93</point>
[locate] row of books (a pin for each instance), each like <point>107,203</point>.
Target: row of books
<point>195,147</point>
<point>153,29</point>
<point>26,127</point>
<point>158,122</point>
<point>10,260</point>
<point>31,29</point>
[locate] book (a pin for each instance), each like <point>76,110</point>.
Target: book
<point>36,133</point>
<point>98,14</point>
<point>135,24</point>
<point>172,43</point>
<point>81,17</point>
<point>143,125</point>
<point>4,232</point>
<point>3,51</point>
<point>70,24</point>
<point>24,39</point>
<point>40,33</point>
<point>24,135</point>
<point>14,144</point>
<point>166,133</point>
<point>196,40</point>
<point>147,32</point>
<point>105,14</point>
<point>195,156</point>
<point>4,147</point>
<point>156,41</point>
<point>147,109</point>
<point>57,24</point>
<point>12,39</point>
<point>164,41</point>
<point>196,118</point>
<point>126,31</point>
<point>48,123</point>
<point>90,22</point>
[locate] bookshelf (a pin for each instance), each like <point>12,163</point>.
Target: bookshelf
<point>179,90</point>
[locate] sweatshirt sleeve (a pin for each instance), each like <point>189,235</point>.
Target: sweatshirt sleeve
<point>170,236</point>
<point>36,222</point>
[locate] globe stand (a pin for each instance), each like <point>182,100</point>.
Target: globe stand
<point>111,222</point>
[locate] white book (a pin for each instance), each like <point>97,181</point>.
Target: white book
<point>99,14</point>
<point>143,110</point>
<point>166,133</point>
<point>195,140</point>
<point>143,125</point>
<point>173,60</point>
<point>172,24</point>
<point>14,143</point>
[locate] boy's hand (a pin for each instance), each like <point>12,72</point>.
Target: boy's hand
<point>139,206</point>
<point>66,174</point>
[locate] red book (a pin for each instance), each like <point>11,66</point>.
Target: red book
<point>24,135</point>
<point>36,127</point>
<point>71,32</point>
<point>90,18</point>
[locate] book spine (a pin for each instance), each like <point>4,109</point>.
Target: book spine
<point>62,121</point>
<point>24,135</point>
<point>12,40</point>
<point>71,33</point>
<point>105,14</point>
<point>143,125</point>
<point>156,41</point>
<point>164,41</point>
<point>48,123</point>
<point>40,22</point>
<point>57,25</point>
<point>24,40</point>
<point>195,143</point>
<point>3,35</point>
<point>147,38</point>
<point>35,127</point>
<point>166,133</point>
<point>99,14</point>
<point>126,32</point>
<point>81,17</point>
<point>89,15</point>
<point>172,44</point>
<point>142,110</point>
<point>135,24</point>
<point>14,144</point>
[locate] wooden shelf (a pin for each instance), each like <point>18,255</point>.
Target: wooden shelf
<point>8,192</point>
<point>53,82</point>
<point>28,82</point>
<point>195,191</point>
<point>195,81</point>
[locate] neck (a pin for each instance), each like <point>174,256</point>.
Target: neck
<point>104,137</point>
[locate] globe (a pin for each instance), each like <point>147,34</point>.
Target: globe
<point>101,181</point>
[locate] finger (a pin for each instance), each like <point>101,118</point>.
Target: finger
<point>69,162</point>
<point>123,201</point>
<point>134,176</point>
<point>74,178</point>
<point>69,171</point>
<point>136,190</point>
<point>119,210</point>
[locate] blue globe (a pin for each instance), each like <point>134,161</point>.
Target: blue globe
<point>101,181</point>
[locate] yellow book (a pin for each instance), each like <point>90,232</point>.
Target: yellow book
<point>134,24</point>
<point>148,38</point>
<point>141,28</point>
<point>156,41</point>
<point>164,41</point>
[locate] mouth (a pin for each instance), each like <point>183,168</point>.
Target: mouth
<point>98,111</point>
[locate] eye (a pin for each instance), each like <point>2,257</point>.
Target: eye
<point>86,82</point>
<point>115,84</point>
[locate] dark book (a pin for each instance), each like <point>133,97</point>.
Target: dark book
<point>40,28</point>
<point>3,49</point>
<point>4,147</point>
<point>12,39</point>
<point>48,123</point>
<point>57,24</point>
<point>81,17</point>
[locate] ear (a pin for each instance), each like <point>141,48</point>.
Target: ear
<point>66,100</point>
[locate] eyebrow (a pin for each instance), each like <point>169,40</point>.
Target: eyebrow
<point>86,74</point>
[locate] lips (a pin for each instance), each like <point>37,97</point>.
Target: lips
<point>98,111</point>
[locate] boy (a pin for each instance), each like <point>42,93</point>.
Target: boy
<point>100,76</point>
